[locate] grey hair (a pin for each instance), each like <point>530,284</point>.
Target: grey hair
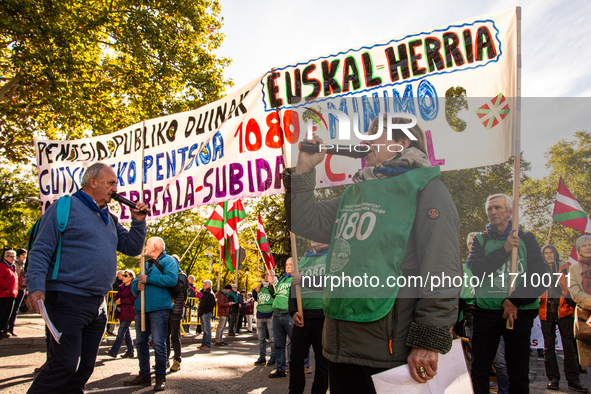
<point>8,251</point>
<point>131,273</point>
<point>92,172</point>
<point>583,239</point>
<point>208,281</point>
<point>508,201</point>
<point>469,238</point>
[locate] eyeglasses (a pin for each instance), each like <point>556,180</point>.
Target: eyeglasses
<point>125,276</point>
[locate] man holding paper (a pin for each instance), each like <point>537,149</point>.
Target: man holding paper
<point>396,221</point>
<point>74,290</point>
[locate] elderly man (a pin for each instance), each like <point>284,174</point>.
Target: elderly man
<point>74,292</point>
<point>205,313</point>
<point>161,273</point>
<point>223,314</point>
<point>282,323</point>
<point>396,220</point>
<point>494,306</point>
<point>264,295</point>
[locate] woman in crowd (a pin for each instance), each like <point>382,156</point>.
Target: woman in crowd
<point>126,314</point>
<point>580,290</point>
<point>249,311</point>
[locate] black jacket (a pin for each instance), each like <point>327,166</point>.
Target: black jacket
<point>207,303</point>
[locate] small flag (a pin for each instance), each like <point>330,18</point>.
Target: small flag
<point>568,212</point>
<point>498,107</point>
<point>264,245</point>
<point>574,257</point>
<point>222,225</point>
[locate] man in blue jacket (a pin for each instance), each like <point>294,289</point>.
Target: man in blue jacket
<point>74,290</point>
<point>161,274</point>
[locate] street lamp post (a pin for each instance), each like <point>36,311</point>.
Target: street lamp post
<point>246,272</point>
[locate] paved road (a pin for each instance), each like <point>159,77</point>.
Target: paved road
<point>222,370</point>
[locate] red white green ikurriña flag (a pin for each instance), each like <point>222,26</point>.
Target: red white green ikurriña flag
<point>222,224</point>
<point>264,245</point>
<point>568,211</point>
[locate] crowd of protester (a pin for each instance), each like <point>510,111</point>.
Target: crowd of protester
<point>352,337</point>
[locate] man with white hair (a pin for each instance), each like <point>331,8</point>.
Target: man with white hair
<point>161,273</point>
<point>205,313</point>
<point>490,258</point>
<point>72,279</point>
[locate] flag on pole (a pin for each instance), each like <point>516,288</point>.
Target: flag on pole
<point>264,245</point>
<point>222,225</point>
<point>574,257</point>
<point>568,211</point>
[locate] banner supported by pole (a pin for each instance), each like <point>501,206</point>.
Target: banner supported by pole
<point>143,258</point>
<point>516,150</point>
<point>292,238</point>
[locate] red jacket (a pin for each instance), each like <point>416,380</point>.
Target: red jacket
<point>8,280</point>
<point>564,309</point>
<point>223,305</point>
<point>127,300</point>
<point>249,309</point>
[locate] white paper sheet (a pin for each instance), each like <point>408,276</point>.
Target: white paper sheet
<point>452,377</point>
<point>43,312</point>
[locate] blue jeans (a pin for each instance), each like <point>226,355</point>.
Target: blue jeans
<point>206,328</point>
<point>122,333</point>
<point>282,328</point>
<point>264,326</point>
<point>157,326</point>
<point>232,322</point>
<point>82,321</point>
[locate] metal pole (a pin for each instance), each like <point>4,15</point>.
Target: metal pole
<point>294,252</point>
<point>220,268</point>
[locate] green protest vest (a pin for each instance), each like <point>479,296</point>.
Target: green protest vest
<point>265,300</point>
<point>311,267</point>
<point>492,292</point>
<point>282,295</point>
<point>369,239</point>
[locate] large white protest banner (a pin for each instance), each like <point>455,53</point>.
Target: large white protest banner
<point>458,80</point>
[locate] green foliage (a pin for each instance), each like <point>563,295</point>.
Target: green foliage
<point>571,160</point>
<point>72,66</point>
<point>17,214</point>
<point>470,189</point>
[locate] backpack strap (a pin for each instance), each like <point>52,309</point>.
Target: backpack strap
<point>157,264</point>
<point>63,214</point>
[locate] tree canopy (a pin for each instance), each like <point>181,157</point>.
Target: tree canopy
<point>17,212</point>
<point>72,67</point>
<point>571,160</point>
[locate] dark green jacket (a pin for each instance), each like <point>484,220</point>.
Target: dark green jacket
<point>420,318</point>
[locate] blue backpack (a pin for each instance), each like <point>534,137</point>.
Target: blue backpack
<point>63,214</point>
